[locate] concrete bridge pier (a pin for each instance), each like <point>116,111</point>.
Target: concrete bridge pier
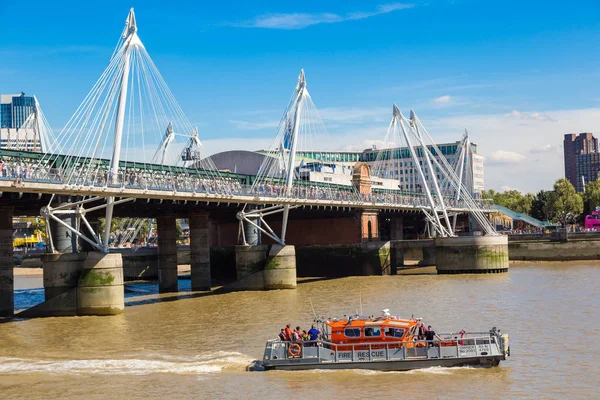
<point>280,269</point>
<point>200,251</point>
<point>86,283</point>
<point>7,292</point>
<point>167,254</point>
<point>472,254</point>
<point>429,256</point>
<point>249,264</point>
<point>100,289</point>
<point>265,267</point>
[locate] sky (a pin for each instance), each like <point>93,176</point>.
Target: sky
<point>517,74</point>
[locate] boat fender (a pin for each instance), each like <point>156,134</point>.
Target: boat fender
<point>295,350</point>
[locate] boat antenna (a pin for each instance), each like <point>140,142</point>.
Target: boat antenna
<point>313,309</point>
<point>360,302</point>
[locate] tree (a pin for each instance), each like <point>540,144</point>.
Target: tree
<point>591,196</point>
<point>512,199</point>
<point>539,205</point>
<point>565,204</point>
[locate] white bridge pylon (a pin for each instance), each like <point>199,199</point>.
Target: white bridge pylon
<point>128,111</point>
<point>410,133</point>
<point>282,166</point>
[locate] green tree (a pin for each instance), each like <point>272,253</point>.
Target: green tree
<point>512,199</point>
<point>539,205</point>
<point>565,204</point>
<point>591,196</point>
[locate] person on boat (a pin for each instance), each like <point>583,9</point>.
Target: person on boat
<point>421,331</point>
<point>313,333</point>
<point>282,336</point>
<point>288,333</point>
<point>430,335</point>
<point>305,336</point>
<point>297,335</point>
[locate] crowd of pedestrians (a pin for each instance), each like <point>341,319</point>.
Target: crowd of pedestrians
<point>177,179</point>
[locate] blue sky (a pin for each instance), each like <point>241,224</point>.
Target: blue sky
<point>517,74</point>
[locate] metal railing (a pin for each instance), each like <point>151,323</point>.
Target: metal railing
<point>475,344</point>
<point>182,182</point>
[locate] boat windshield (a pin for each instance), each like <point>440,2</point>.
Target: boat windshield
<point>394,332</point>
<point>372,331</point>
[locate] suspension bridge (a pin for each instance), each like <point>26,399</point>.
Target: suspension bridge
<point>129,141</point>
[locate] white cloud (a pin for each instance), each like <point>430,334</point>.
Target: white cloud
<point>495,131</point>
<point>547,148</point>
<point>517,154</point>
<point>443,99</point>
<point>253,125</point>
<point>535,116</point>
<point>303,20</point>
<point>506,157</point>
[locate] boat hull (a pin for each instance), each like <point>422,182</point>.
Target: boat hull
<point>396,365</point>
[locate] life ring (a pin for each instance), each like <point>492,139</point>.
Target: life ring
<point>295,350</point>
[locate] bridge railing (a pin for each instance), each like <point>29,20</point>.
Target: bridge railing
<point>180,181</point>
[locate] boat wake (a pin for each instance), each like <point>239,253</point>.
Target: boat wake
<point>201,364</point>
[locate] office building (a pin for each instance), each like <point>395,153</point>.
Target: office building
<point>587,169</point>
<point>390,168</point>
<point>15,109</point>
<point>22,124</point>
<point>398,164</point>
<point>575,145</point>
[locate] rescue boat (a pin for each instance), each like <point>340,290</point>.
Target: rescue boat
<point>385,343</point>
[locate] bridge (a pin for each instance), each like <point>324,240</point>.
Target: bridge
<point>101,161</point>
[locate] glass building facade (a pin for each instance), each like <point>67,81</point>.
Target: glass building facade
<point>587,168</point>
<point>15,109</point>
<point>331,156</point>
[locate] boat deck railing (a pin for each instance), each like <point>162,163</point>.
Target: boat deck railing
<point>452,345</point>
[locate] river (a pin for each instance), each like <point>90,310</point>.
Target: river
<point>199,346</point>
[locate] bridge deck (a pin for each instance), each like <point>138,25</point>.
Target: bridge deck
<point>241,196</point>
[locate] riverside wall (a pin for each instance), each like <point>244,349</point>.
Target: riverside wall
<point>571,250</point>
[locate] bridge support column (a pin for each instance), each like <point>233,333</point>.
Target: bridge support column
<point>200,251</point>
<point>472,254</point>
<point>7,289</point>
<point>61,275</point>
<point>167,254</point>
<point>64,240</point>
<point>369,226</point>
<point>429,256</point>
<point>85,246</point>
<point>252,233</point>
<point>258,271</point>
<point>280,269</point>
<point>397,252</point>
<point>100,288</point>
<point>86,283</point>
<point>249,264</point>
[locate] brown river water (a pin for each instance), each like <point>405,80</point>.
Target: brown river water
<point>199,347</point>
